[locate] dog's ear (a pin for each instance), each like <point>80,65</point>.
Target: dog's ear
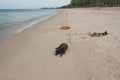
<point>56,48</point>
<point>106,32</point>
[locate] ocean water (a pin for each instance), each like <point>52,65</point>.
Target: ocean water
<point>13,21</point>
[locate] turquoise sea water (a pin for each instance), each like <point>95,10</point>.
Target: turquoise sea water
<point>15,20</point>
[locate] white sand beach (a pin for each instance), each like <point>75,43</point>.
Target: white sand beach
<point>29,55</point>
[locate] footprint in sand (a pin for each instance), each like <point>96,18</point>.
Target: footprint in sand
<point>83,37</point>
<point>78,36</point>
<point>49,30</point>
<point>112,65</point>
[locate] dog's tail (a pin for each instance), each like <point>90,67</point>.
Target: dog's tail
<point>90,34</point>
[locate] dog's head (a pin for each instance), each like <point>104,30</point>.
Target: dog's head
<point>57,52</point>
<point>106,32</point>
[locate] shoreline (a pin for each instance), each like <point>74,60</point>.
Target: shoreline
<point>29,54</point>
<point>27,24</point>
<point>35,22</point>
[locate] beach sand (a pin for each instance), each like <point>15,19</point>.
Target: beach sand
<point>29,55</point>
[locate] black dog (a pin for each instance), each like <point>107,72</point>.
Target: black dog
<point>61,49</point>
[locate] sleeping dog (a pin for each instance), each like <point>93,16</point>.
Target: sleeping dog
<point>61,49</point>
<point>95,34</point>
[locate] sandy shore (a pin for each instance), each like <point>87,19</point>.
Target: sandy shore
<point>29,55</point>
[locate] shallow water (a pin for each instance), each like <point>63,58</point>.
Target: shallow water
<point>15,20</point>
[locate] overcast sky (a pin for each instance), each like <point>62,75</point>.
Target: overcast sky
<point>8,4</point>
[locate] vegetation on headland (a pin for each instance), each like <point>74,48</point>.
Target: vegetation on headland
<point>93,3</point>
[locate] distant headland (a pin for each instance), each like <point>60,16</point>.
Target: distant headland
<point>92,3</point>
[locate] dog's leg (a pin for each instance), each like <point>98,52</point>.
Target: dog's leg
<point>92,34</point>
<point>61,55</point>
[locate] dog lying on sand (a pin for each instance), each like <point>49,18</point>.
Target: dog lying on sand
<point>95,34</point>
<point>61,49</point>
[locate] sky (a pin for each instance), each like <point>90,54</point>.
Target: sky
<point>23,4</point>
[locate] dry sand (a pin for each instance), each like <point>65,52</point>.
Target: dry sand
<point>29,55</point>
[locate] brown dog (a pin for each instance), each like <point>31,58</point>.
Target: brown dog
<point>95,34</point>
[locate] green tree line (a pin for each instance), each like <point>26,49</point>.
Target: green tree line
<point>93,3</point>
